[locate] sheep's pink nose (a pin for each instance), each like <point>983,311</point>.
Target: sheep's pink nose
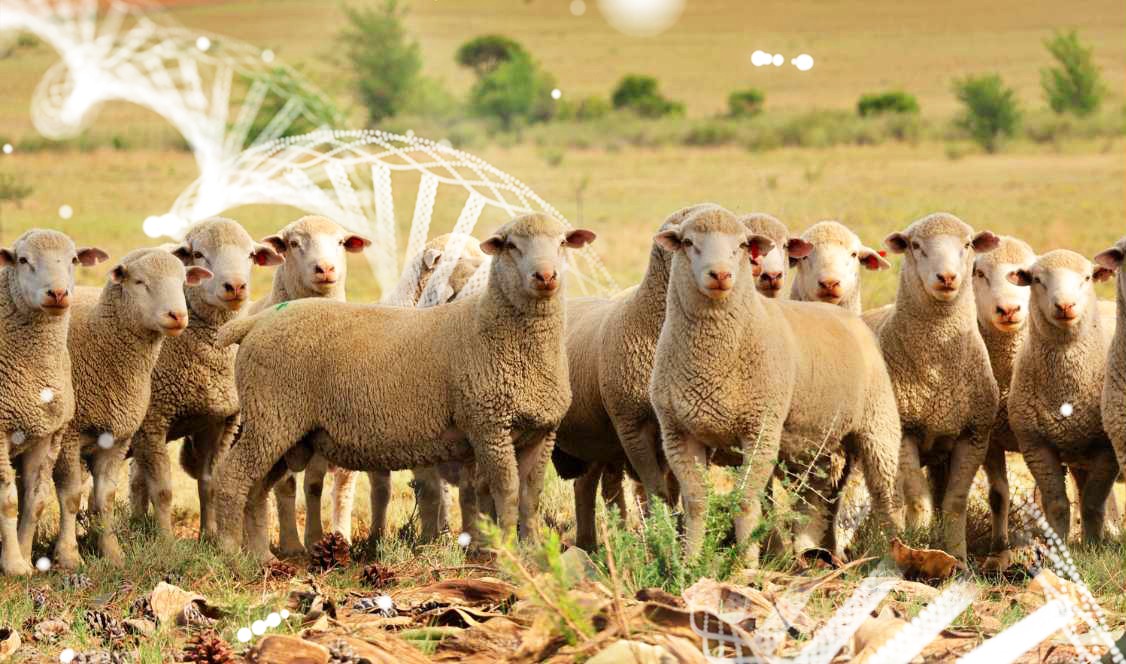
<point>235,289</point>
<point>947,279</point>
<point>1008,312</point>
<point>772,279</point>
<point>1065,309</point>
<point>829,284</point>
<point>178,317</point>
<point>325,271</point>
<point>719,275</point>
<point>545,279</point>
<point>58,294</point>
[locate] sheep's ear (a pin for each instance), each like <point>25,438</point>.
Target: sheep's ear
<point>430,257</point>
<point>1111,258</point>
<point>1102,273</point>
<point>118,274</point>
<point>494,245</point>
<point>897,243</point>
<point>354,244</point>
<point>277,242</point>
<point>669,240</point>
<point>7,257</point>
<point>579,238</point>
<point>197,275</point>
<point>985,241</point>
<point>798,248</point>
<point>872,259</point>
<point>1020,277</point>
<point>88,256</point>
<point>758,246</point>
<point>264,255</point>
<point>184,253</point>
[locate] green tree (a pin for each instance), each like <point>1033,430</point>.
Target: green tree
<point>641,95</point>
<point>1075,85</point>
<point>385,61</point>
<point>515,89</point>
<point>745,103</point>
<point>991,109</point>
<point>893,101</point>
<point>485,53</point>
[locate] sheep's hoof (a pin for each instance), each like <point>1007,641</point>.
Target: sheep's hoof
<point>17,567</point>
<point>996,563</point>
<point>289,551</point>
<point>68,560</point>
<point>112,553</point>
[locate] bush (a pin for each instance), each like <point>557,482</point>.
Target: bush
<point>587,109</point>
<point>893,101</point>
<point>14,189</point>
<point>515,89</point>
<point>991,109</point>
<point>640,95</point>
<point>1074,86</point>
<point>709,134</point>
<point>745,103</point>
<point>485,53</point>
<point>385,62</point>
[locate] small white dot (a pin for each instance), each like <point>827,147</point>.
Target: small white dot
<point>463,540</point>
<point>556,93</point>
<point>8,148</point>
<point>778,60</point>
<point>803,62</point>
<point>578,7</point>
<point>410,133</point>
<point>1066,409</point>
<point>18,437</point>
<point>67,656</point>
<point>66,211</point>
<point>384,602</point>
<point>43,564</point>
<point>285,614</point>
<point>105,440</point>
<point>46,395</point>
<point>203,43</point>
<point>258,627</point>
<point>267,56</point>
<point>273,620</point>
<point>243,635</point>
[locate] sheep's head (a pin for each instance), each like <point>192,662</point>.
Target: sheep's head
<point>224,247</point>
<point>42,264</point>
<point>314,249</point>
<point>770,270</point>
<point>830,272</point>
<point>940,250</point>
<point>151,282</point>
<point>1111,259</point>
<point>468,261</point>
<point>528,256</point>
<point>1062,287</point>
<point>1001,303</point>
<point>717,249</point>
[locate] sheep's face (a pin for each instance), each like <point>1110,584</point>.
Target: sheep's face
<point>942,262</point>
<point>1062,287</point>
<point>1001,303</point>
<point>228,253</point>
<point>314,249</point>
<point>465,267</point>
<point>717,259</point>
<point>152,287</point>
<point>830,272</point>
<point>43,265</point>
<point>533,264</point>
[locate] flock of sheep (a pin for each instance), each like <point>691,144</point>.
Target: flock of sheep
<point>988,348</point>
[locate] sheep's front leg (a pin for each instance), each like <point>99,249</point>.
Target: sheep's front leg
<point>150,460</point>
<point>532,459</point>
<point>913,485</point>
<point>380,498</point>
<point>314,482</point>
<point>586,488</point>
<point>640,439</point>
<point>36,460</point>
<point>12,560</point>
<point>342,498</point>
<point>257,535</point>
<point>430,494</point>
<point>68,488</point>
<point>285,497</point>
<point>760,455</point>
<point>213,443</point>
<point>1044,463</point>
<point>686,457</point>
<point>498,469</point>
<point>996,472</point>
<point>467,500</point>
<point>613,493</point>
<point>1098,487</point>
<point>106,469</point>
<point>965,459</point>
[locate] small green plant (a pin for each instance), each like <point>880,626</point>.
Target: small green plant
<point>516,89</point>
<point>485,53</point>
<point>1075,85</point>
<point>745,103</point>
<point>991,109</point>
<point>640,94</point>
<point>13,189</point>
<point>893,101</point>
<point>384,60</point>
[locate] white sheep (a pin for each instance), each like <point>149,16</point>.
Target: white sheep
<point>830,273</point>
<point>1114,391</point>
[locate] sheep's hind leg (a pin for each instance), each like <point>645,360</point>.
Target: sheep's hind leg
<point>430,495</point>
<point>106,470</point>
<point>313,485</point>
<point>913,486</point>
<point>12,559</point>
<point>342,498</point>
<point>996,471</point>
<point>34,463</point>
<point>380,481</point>
<point>586,489</point>
<point>285,497</point>
<point>68,488</point>
<point>151,461</point>
<point>1044,463</point>
<point>531,463</point>
<point>965,459</point>
<point>1099,485</point>
<point>640,441</point>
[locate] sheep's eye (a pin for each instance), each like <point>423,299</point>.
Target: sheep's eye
<point>74,261</point>
<point>293,244</point>
<point>854,254</point>
<point>139,282</point>
<point>23,261</point>
<point>197,255</point>
<point>967,245</point>
<point>686,242</point>
<point>1036,280</point>
<point>915,246</point>
<point>1087,278</point>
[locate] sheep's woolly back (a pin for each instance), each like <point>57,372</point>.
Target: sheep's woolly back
<point>939,223</point>
<point>761,223</point>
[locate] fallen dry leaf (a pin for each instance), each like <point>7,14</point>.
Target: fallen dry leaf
<point>172,604</point>
<point>874,633</point>
<point>659,596</point>
<point>486,643</point>
<point>283,649</point>
<point>1049,586</point>
<point>485,592</point>
<point>9,642</point>
<point>49,631</point>
<point>924,564</point>
<point>622,651</point>
<point>373,647</point>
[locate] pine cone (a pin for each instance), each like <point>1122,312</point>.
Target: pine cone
<point>339,652</point>
<point>207,647</point>
<point>39,598</point>
<point>104,626</point>
<point>142,608</point>
<point>77,582</point>
<point>377,576</point>
<point>279,570</point>
<point>331,552</point>
<point>102,657</point>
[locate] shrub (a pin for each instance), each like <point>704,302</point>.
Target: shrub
<point>587,109</point>
<point>991,109</point>
<point>384,60</point>
<point>485,53</point>
<point>745,103</point>
<point>710,133</point>
<point>14,189</point>
<point>640,95</point>
<point>893,101</point>
<point>1075,85</point>
<point>515,89</point>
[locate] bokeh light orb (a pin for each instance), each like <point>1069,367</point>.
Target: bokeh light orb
<point>803,62</point>
<point>641,18</point>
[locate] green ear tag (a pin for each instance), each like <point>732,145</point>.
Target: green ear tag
<point>281,306</point>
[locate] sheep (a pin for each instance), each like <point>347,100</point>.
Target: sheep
<point>1114,390</point>
<point>935,355</point>
<point>772,268</point>
<point>314,249</point>
<point>777,380</point>
<point>36,396</point>
<point>399,388</point>
<point>1055,398</point>
<point>193,383</point>
<point>125,323</point>
<point>831,272</point>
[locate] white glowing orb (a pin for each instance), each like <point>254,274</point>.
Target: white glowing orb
<point>1066,409</point>
<point>803,62</point>
<point>285,614</point>
<point>445,142</point>
<point>18,437</point>
<point>258,627</point>
<point>46,395</point>
<point>105,440</point>
<point>267,56</point>
<point>641,18</point>
<point>67,656</point>
<point>556,93</point>
<point>384,602</point>
<point>66,211</point>
<point>203,43</point>
<point>463,540</point>
<point>243,635</point>
<point>578,8</point>
<point>760,58</point>
<point>8,148</point>
<point>43,564</point>
<point>778,60</point>
<point>273,620</point>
